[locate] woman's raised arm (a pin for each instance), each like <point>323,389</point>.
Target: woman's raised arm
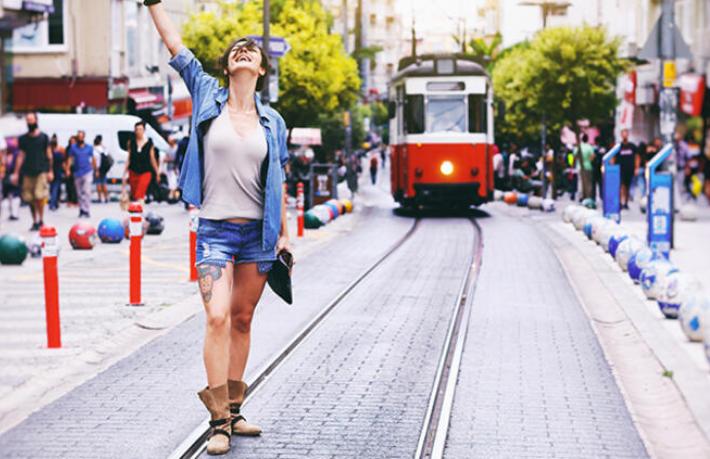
<point>166,28</point>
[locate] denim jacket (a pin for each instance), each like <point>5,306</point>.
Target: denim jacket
<point>208,98</point>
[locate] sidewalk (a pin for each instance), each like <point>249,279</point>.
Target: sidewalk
<point>665,379</point>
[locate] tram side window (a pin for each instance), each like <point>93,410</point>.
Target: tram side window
<point>414,114</point>
<point>477,113</point>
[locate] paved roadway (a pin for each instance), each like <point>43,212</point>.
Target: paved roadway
<point>533,380</point>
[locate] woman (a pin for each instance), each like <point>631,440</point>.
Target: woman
<point>105,163</point>
<point>140,164</point>
<point>233,170</point>
<point>69,184</point>
<point>55,187</point>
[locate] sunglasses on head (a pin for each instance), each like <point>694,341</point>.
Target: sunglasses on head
<point>247,43</point>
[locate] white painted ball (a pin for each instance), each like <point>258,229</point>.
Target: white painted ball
<point>674,289</point>
<point>548,205</point>
<point>689,212</point>
<point>568,213</point>
<point>652,277</point>
<point>627,248</point>
<point>643,202</point>
<point>693,316</point>
<point>535,202</point>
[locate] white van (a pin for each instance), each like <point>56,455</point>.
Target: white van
<point>115,130</point>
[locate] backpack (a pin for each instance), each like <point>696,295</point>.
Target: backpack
<point>106,163</point>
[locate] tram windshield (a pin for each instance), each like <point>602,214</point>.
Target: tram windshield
<point>445,114</point>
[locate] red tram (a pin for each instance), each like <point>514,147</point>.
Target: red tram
<point>441,132</point>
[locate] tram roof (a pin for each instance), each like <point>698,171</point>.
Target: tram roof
<point>431,65</point>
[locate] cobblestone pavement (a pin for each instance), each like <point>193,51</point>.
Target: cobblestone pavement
<point>533,380</point>
<point>146,404</point>
<point>359,385</point>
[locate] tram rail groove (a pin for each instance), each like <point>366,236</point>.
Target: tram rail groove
<point>196,442</point>
<point>432,439</point>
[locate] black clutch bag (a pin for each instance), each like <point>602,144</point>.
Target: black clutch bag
<point>280,276</point>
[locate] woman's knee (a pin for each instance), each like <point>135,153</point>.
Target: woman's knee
<point>217,320</point>
<point>241,320</point>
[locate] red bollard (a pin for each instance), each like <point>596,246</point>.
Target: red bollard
<point>51,285</point>
<point>194,223</point>
<point>299,207</point>
<point>135,231</point>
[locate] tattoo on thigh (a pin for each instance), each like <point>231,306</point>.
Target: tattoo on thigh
<point>208,276</point>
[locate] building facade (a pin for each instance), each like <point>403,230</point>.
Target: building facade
<point>95,57</point>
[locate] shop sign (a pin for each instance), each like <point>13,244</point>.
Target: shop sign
<point>692,93</point>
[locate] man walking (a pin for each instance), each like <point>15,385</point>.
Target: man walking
<point>34,163</point>
<point>373,168</point>
<point>627,166</point>
<point>83,164</point>
<point>586,165</point>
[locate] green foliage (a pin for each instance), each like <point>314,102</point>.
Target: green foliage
<point>567,74</point>
<point>486,49</point>
<point>316,77</point>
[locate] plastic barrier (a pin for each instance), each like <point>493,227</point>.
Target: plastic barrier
<point>193,227</point>
<point>135,231</point>
<point>50,251</point>
<point>659,210</point>
<point>299,209</point>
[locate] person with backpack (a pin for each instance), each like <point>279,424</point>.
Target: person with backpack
<point>82,163</point>
<point>105,164</point>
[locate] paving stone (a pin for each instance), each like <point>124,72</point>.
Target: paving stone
<point>359,386</point>
<point>147,402</point>
<point>533,380</point>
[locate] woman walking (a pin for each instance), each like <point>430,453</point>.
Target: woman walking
<point>140,164</point>
<point>233,171</point>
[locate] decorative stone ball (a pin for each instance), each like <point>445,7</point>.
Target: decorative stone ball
<point>693,316</point>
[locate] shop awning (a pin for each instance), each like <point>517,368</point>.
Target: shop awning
<point>692,93</point>
<point>60,94</point>
<point>305,136</point>
<point>144,99</point>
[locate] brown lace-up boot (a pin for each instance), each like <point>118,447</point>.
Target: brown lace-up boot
<point>240,426</point>
<point>217,402</point>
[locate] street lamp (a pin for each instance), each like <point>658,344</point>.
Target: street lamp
<point>547,7</point>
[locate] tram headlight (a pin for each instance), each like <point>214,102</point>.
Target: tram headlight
<point>447,168</point>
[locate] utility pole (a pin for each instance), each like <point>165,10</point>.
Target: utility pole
<point>347,114</point>
<point>265,37</point>
<point>414,37</point>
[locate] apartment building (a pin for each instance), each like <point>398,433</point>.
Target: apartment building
<point>97,56</point>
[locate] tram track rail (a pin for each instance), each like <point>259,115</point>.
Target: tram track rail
<point>196,442</point>
<point>432,438</point>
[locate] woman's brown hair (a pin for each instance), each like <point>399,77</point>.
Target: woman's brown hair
<point>224,59</point>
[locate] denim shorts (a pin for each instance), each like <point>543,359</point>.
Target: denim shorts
<point>220,242</point>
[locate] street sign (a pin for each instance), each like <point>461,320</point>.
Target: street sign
<point>274,81</point>
<point>278,46</point>
<point>611,185</point>
<point>659,210</point>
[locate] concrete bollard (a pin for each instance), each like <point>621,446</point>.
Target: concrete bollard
<point>50,251</point>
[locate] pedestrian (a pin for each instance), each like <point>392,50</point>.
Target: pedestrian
<point>82,163</point>
<point>140,164</point>
<point>373,168</point>
<point>571,173</point>
<point>351,174</point>
<point>242,223</point>
<point>597,178</point>
<point>706,170</point>
<point>35,165</point>
<point>383,154</point>
<point>55,186</point>
<point>585,153</point>
<point>626,161</point>
<point>106,162</point>
<point>639,182</point>
<point>69,185</point>
<point>3,151</point>
<point>10,190</point>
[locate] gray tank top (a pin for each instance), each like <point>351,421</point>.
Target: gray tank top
<point>232,185</point>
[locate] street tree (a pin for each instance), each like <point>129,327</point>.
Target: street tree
<point>565,75</point>
<point>487,49</point>
<point>316,77</point>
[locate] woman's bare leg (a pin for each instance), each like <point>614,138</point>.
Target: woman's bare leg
<point>215,287</point>
<point>248,287</point>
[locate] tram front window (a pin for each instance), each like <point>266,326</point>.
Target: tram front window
<point>446,114</point>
